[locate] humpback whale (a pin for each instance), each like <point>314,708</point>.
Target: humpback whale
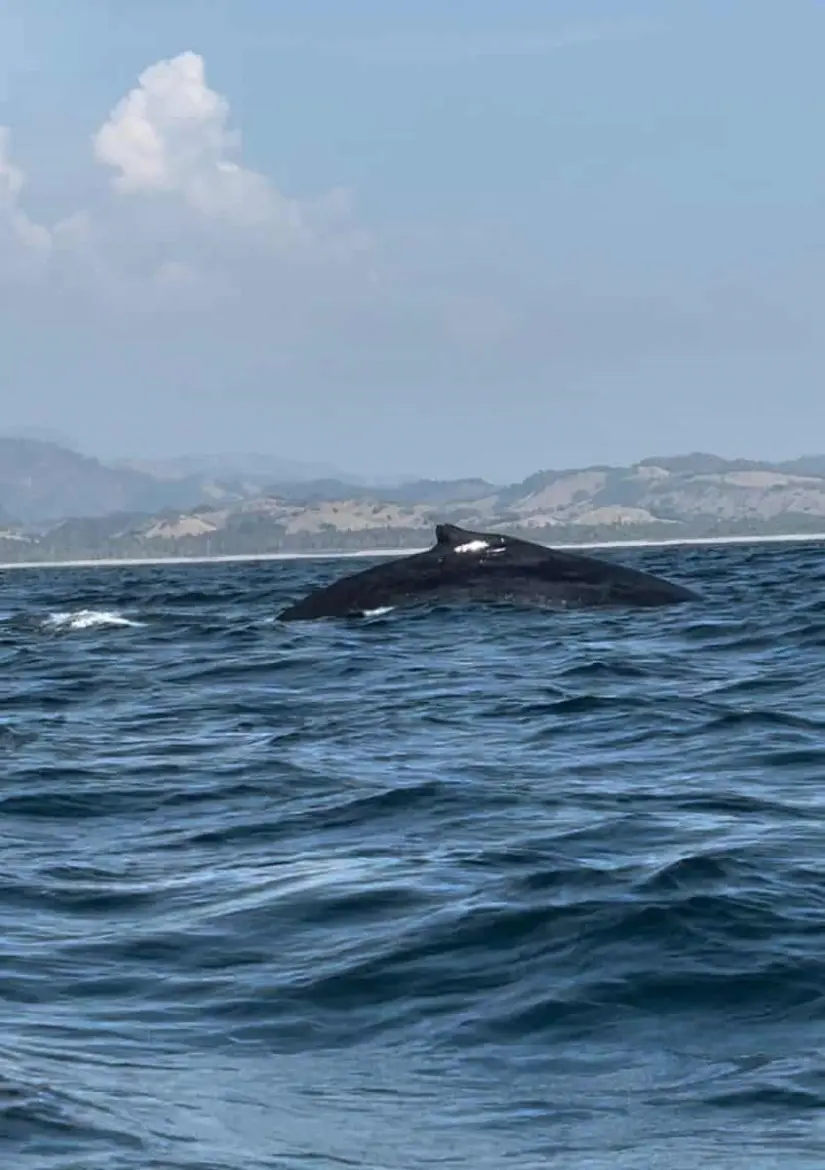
<point>464,566</point>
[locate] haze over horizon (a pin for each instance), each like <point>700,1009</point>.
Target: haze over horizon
<point>413,239</point>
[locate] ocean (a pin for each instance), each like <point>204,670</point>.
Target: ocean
<point>475,888</point>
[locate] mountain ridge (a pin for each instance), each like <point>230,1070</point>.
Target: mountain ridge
<point>58,504</point>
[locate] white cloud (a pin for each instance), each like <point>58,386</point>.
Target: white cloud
<point>170,135</point>
<point>183,223</point>
<point>167,128</point>
<point>184,227</point>
<point>23,230</point>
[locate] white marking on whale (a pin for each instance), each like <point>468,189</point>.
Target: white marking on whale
<point>472,546</point>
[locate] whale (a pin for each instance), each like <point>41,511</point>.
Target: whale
<point>465,567</point>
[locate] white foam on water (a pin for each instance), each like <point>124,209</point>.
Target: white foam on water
<point>379,612</point>
<point>87,619</point>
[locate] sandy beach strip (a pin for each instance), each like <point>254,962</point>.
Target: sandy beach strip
<point>350,554</point>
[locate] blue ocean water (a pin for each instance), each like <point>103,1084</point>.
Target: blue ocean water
<point>480,888</point>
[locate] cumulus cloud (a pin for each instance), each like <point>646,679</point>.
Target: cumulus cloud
<point>25,231</point>
<point>183,226</point>
<point>170,135</point>
<point>182,220</point>
<point>167,129</point>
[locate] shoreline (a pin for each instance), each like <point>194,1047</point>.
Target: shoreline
<point>249,558</point>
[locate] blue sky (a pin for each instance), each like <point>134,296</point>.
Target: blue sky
<point>421,236</point>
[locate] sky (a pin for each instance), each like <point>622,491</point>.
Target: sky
<point>436,237</point>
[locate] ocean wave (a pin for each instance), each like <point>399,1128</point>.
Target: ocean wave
<point>87,619</point>
<point>491,887</point>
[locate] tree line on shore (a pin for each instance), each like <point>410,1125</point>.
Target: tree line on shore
<point>104,538</point>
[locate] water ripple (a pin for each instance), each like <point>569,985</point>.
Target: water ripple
<point>439,888</point>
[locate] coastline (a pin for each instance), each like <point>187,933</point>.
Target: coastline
<point>331,554</point>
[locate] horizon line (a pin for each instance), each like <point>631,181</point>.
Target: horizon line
<point>347,554</point>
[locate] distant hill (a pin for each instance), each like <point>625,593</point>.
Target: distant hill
<point>42,481</point>
<point>254,468</point>
<point>44,434</point>
<point>57,504</point>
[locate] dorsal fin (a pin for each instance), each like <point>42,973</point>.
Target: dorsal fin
<point>450,535</point>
